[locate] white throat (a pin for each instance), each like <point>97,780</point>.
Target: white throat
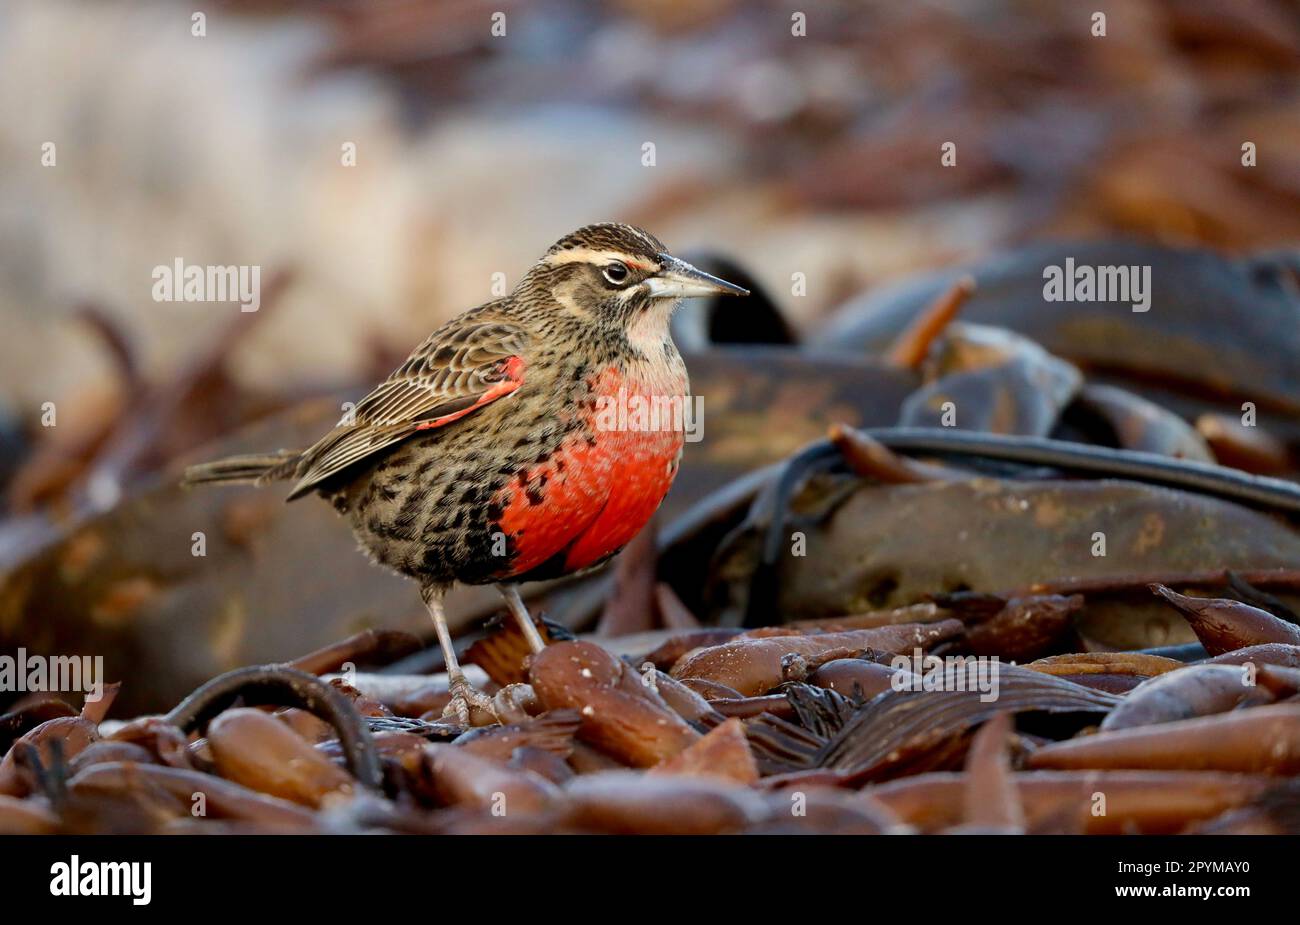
<point>649,330</point>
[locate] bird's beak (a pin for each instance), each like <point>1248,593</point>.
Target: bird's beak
<point>677,279</point>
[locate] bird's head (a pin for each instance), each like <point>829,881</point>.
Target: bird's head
<point>621,276</point>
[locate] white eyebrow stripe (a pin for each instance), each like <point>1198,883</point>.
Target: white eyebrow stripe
<point>588,255</point>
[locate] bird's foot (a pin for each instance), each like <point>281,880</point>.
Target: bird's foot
<point>469,706</point>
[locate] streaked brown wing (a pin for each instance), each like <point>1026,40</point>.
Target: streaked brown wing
<point>456,371</point>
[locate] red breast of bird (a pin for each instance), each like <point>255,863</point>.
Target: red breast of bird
<point>605,482</point>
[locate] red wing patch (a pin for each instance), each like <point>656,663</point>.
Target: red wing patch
<point>514,377</point>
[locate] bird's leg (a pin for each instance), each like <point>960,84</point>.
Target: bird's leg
<point>464,696</point>
<point>516,605</point>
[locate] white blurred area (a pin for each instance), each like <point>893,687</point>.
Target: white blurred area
<point>220,150</point>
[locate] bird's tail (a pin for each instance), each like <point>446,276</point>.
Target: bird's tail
<point>252,469</point>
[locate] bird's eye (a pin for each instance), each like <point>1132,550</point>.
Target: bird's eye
<point>616,273</point>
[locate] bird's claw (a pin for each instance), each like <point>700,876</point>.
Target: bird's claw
<point>467,701</point>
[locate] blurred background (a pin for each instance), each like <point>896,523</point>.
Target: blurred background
<point>795,140</point>
<point>818,154</point>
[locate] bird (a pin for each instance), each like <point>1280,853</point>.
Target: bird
<point>493,455</point>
